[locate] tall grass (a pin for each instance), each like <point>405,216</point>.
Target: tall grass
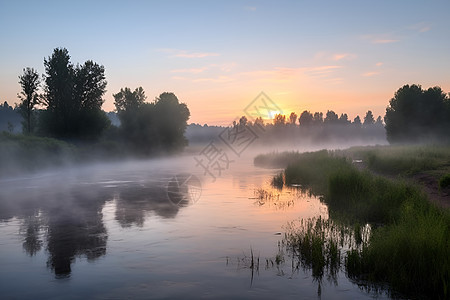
<point>410,244</point>
<point>401,160</point>
<point>19,153</point>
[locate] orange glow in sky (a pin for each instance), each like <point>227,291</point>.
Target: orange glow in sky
<point>217,56</point>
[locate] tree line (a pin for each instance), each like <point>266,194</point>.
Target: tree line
<point>308,119</point>
<point>66,103</point>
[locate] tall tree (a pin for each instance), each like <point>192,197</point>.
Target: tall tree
<point>293,118</point>
<point>126,100</point>
<point>368,119</point>
<point>73,98</point>
<point>151,127</point>
<point>415,115</point>
<point>357,121</point>
<point>59,117</point>
<point>29,82</point>
<point>318,118</point>
<point>279,120</point>
<point>306,118</point>
<point>343,119</point>
<point>331,118</point>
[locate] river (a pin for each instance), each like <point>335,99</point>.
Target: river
<point>155,229</point>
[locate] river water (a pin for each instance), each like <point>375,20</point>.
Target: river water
<point>124,230</point>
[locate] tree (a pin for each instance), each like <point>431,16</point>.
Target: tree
<point>259,122</point>
<point>343,119</point>
<point>368,119</point>
<point>379,121</point>
<point>318,118</point>
<point>279,120</point>
<point>331,118</point>
<point>171,121</point>
<point>126,100</point>
<point>29,82</point>
<point>357,121</point>
<point>243,121</point>
<point>415,115</point>
<point>293,118</point>
<point>151,127</point>
<point>306,118</point>
<point>73,98</point>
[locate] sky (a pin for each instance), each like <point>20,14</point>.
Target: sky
<point>217,56</point>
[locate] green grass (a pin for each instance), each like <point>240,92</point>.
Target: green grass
<point>444,181</point>
<point>401,160</point>
<point>22,153</point>
<point>409,247</point>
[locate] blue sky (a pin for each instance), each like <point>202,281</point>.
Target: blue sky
<point>216,56</point>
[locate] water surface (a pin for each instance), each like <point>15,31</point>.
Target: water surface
<point>111,231</point>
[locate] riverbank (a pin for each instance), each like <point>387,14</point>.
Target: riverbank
<point>409,244</point>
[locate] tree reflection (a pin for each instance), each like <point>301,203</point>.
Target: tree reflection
<point>67,220</point>
<point>134,202</point>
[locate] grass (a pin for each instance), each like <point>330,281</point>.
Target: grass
<point>409,247</point>
<point>402,160</point>
<point>444,181</point>
<point>21,153</point>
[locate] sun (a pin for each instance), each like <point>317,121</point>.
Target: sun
<point>273,113</point>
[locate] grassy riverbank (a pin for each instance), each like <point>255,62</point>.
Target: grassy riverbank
<point>409,246</point>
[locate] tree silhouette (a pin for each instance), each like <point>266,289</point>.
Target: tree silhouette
<point>331,118</point>
<point>368,119</point>
<point>416,115</point>
<point>318,118</point>
<point>343,119</point>
<point>73,98</point>
<point>357,121</point>
<point>29,82</point>
<point>279,120</point>
<point>293,118</point>
<point>306,118</point>
<point>151,127</point>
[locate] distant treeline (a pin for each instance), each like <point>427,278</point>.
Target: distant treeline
<point>309,129</point>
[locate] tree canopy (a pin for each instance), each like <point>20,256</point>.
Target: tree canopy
<point>418,115</point>
<point>73,98</point>
<point>151,127</point>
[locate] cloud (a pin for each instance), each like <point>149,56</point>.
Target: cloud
<point>421,27</point>
<point>370,74</point>
<point>195,54</point>
<point>322,71</point>
<point>341,56</point>
<point>190,71</point>
<point>379,64</point>
<point>219,79</point>
<point>384,41</point>
<point>186,54</point>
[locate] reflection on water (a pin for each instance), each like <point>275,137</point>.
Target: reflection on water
<point>116,231</point>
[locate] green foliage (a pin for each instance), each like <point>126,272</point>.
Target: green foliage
<point>151,127</point>
<point>444,181</point>
<point>29,82</point>
<point>416,115</point>
<point>20,153</point>
<point>315,242</point>
<point>401,160</point>
<point>278,181</point>
<point>73,99</point>
<point>409,247</point>
<point>413,254</point>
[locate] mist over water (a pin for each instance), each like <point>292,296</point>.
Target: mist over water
<point>114,230</point>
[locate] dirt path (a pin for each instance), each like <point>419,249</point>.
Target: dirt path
<point>431,187</point>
